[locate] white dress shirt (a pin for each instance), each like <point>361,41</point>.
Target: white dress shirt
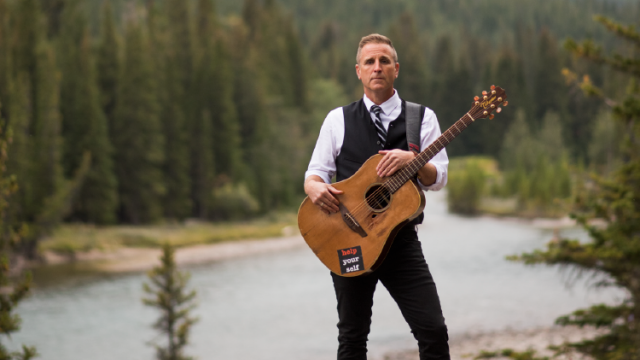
<point>329,144</point>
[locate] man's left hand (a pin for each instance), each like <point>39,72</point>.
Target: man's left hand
<point>393,161</point>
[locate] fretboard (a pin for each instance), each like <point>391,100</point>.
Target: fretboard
<point>408,172</point>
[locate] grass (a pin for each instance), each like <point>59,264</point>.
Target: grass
<point>497,206</point>
<point>69,239</point>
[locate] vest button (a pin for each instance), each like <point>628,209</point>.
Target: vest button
<point>378,142</point>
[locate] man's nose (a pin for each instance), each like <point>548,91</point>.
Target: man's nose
<point>376,66</point>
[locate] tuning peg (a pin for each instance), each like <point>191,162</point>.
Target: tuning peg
<point>505,103</point>
<point>476,98</point>
<point>491,117</point>
<point>499,110</point>
<point>485,113</point>
<point>484,92</point>
<point>493,87</point>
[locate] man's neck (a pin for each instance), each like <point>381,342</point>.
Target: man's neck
<point>379,97</point>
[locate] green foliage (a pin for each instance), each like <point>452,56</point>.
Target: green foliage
<point>613,254</point>
<point>196,94</point>
<point>14,289</point>
<point>139,144</point>
<point>234,202</point>
<point>536,167</point>
<point>604,149</point>
<point>510,354</point>
<point>84,123</point>
<point>467,183</point>
<point>168,293</point>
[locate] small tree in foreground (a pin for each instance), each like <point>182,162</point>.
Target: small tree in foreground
<point>168,293</point>
<point>11,292</point>
<point>613,254</point>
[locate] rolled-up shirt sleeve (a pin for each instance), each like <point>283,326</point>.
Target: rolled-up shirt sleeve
<point>323,159</point>
<point>429,132</point>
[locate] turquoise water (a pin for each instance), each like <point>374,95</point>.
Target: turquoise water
<point>282,306</point>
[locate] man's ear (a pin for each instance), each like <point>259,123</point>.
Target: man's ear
<point>358,71</point>
<point>397,68</point>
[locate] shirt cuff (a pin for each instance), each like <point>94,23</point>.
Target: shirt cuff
<point>441,179</point>
<point>323,175</point>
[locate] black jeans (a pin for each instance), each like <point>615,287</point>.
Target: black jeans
<point>406,276</point>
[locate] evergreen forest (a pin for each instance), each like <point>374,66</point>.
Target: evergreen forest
<point>137,112</point>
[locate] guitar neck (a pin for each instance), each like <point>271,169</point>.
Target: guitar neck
<point>408,172</point>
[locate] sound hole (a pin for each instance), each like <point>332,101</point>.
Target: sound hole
<point>378,197</point>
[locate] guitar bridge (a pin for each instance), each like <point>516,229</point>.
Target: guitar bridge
<point>351,221</point>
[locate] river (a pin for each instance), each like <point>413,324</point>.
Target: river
<point>281,305</point>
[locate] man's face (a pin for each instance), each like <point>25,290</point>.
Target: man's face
<point>377,69</point>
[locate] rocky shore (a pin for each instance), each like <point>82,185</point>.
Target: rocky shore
<point>468,346</point>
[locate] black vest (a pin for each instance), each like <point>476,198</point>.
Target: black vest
<point>361,140</point>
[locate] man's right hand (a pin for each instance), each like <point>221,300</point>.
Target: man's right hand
<point>322,194</point>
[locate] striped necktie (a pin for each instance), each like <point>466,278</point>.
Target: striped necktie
<point>382,133</point>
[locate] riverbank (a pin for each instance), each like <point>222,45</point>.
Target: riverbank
<point>468,346</point>
<point>127,259</point>
<point>118,249</point>
<point>72,240</point>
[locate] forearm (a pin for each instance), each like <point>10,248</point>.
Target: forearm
<point>428,174</point>
<point>309,182</point>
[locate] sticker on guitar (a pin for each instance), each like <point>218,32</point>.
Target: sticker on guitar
<point>350,259</point>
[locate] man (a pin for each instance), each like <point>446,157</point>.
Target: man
<point>349,136</point>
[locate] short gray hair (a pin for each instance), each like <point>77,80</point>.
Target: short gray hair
<point>375,39</point>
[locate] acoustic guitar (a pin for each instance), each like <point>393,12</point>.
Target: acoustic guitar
<point>355,240</point>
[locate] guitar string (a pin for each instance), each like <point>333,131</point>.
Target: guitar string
<point>396,181</point>
<point>381,195</point>
<point>358,209</point>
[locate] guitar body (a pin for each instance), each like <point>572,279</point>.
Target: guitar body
<point>356,240</point>
<point>347,252</point>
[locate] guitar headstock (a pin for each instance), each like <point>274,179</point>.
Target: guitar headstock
<point>484,106</point>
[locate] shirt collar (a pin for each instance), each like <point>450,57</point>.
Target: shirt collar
<point>387,106</point>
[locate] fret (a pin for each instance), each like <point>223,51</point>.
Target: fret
<point>396,181</point>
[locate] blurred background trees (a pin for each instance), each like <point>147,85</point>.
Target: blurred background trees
<point>608,208</point>
<point>132,111</point>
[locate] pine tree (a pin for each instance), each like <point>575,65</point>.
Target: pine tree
<point>201,132</point>
<point>550,89</point>
<point>413,81</point>
<point>218,71</point>
<point>14,290</point>
<point>5,59</point>
<point>297,77</point>
<point>176,115</point>
<point>108,64</point>
<point>327,56</point>
<point>613,254</point>
<point>138,140</point>
<point>507,72</point>
<point>168,291</point>
<point>84,124</point>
